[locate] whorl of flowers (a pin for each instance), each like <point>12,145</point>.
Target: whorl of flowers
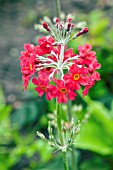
<point>60,72</point>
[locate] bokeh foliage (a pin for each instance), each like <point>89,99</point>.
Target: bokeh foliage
<point>20,148</point>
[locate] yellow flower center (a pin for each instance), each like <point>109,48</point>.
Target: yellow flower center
<point>43,87</point>
<point>76,76</point>
<point>63,90</point>
<point>31,67</point>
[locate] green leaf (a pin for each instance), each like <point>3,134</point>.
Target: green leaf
<point>97,134</point>
<point>94,163</point>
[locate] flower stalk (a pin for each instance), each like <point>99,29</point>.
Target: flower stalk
<point>59,122</point>
<point>73,161</point>
<point>65,161</point>
<point>60,132</point>
<point>58,9</point>
<point>59,116</point>
<point>61,73</point>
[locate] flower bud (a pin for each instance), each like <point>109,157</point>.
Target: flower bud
<point>40,135</point>
<point>46,26</point>
<point>57,20</point>
<point>68,26</point>
<point>83,31</point>
<point>69,19</point>
<point>72,25</point>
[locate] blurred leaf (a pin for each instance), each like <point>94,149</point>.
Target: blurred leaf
<point>4,109</point>
<point>53,164</point>
<point>5,128</point>
<point>2,97</point>
<point>94,163</point>
<point>97,134</point>
<point>27,113</point>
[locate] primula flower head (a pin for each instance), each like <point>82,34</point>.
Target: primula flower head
<point>61,72</point>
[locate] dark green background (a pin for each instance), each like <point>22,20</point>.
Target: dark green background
<point>23,113</point>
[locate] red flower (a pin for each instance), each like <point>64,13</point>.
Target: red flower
<point>27,63</point>
<point>29,49</point>
<point>26,79</point>
<point>85,55</point>
<point>86,89</point>
<point>63,92</point>
<point>68,54</point>
<point>43,86</point>
<point>45,45</point>
<point>94,65</point>
<point>28,66</point>
<point>94,76</point>
<point>76,76</point>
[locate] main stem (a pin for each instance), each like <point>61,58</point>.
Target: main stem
<point>73,163</point>
<point>58,106</point>
<point>65,161</point>
<point>59,122</point>
<point>58,110</point>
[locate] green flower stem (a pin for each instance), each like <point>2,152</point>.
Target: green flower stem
<point>59,122</point>
<point>58,9</point>
<point>58,111</point>
<point>74,166</point>
<point>73,163</point>
<point>65,161</point>
<point>69,106</point>
<point>58,106</point>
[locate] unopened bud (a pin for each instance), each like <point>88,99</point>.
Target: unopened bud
<point>57,20</point>
<point>77,130</point>
<point>72,122</point>
<point>69,19</point>
<point>46,26</point>
<point>40,135</point>
<point>68,26</point>
<point>51,144</point>
<point>61,26</point>
<point>72,25</point>
<point>83,31</point>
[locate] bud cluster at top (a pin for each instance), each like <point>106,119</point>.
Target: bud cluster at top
<point>62,31</point>
<point>55,70</point>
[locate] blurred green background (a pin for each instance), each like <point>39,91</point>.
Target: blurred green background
<point>23,113</point>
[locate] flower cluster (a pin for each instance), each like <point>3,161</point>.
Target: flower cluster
<point>60,72</point>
